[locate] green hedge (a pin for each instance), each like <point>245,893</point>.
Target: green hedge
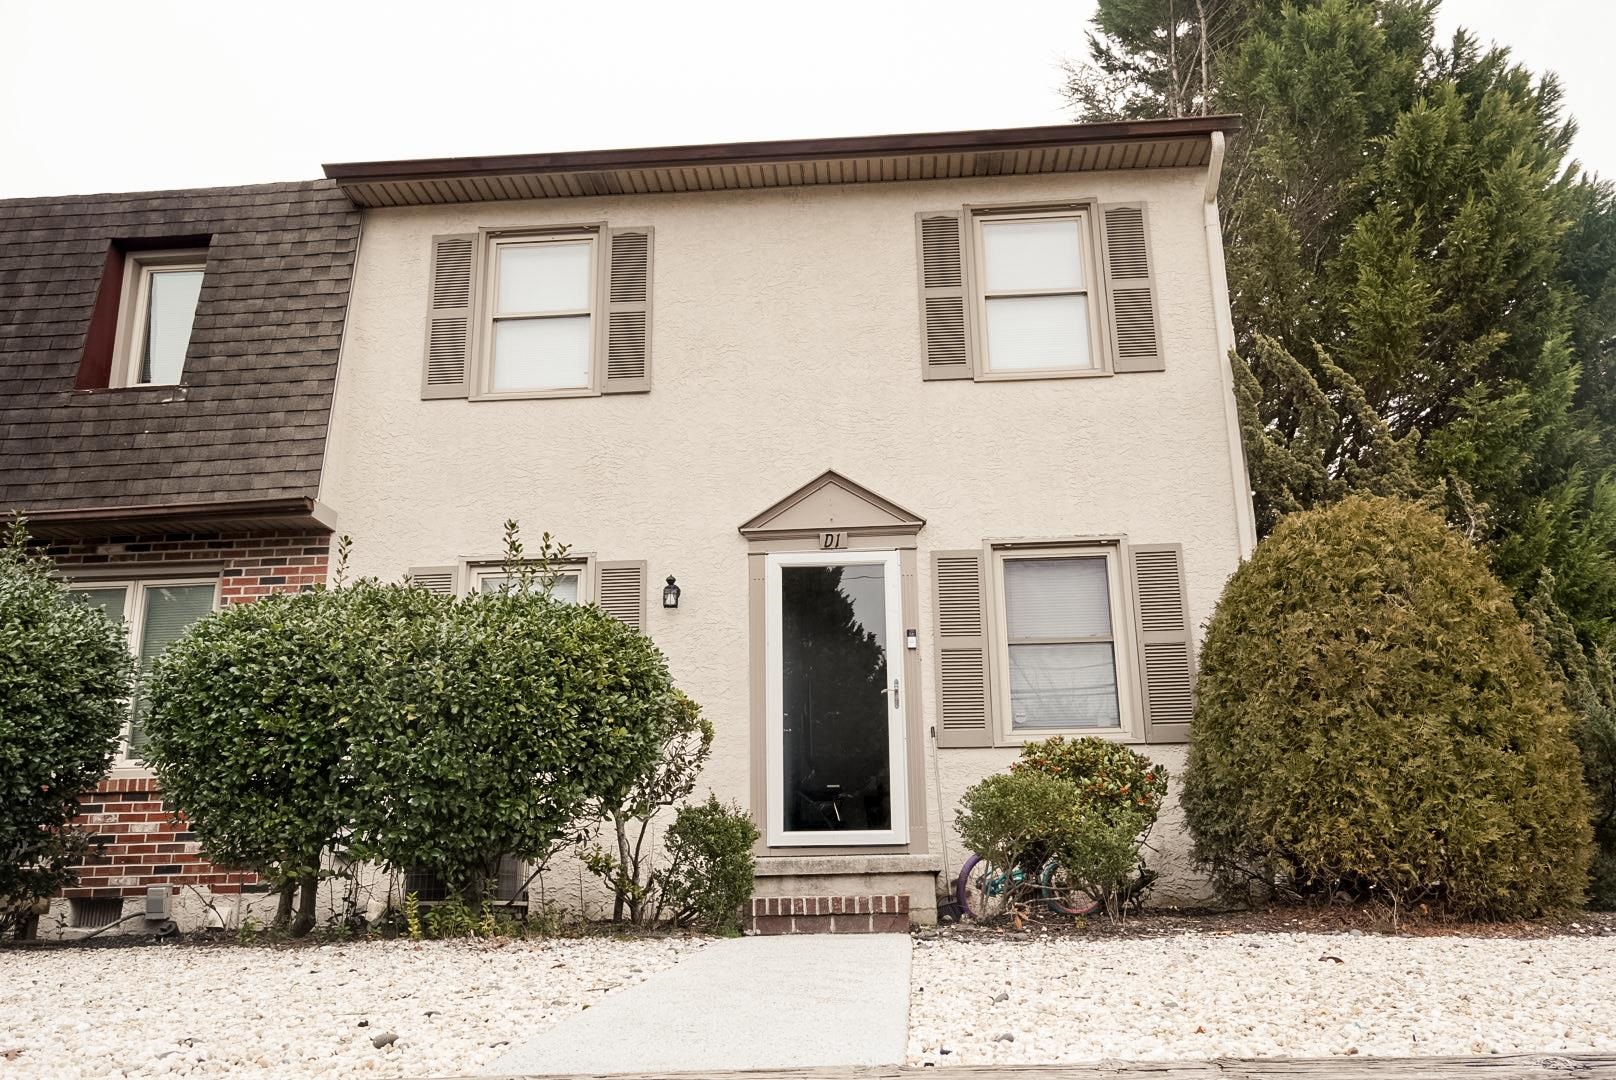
<point>1372,720</point>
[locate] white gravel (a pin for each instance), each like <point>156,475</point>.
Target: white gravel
<point>296,1012</point>
<point>1269,995</point>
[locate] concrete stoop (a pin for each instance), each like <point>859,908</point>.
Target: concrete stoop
<point>881,914</point>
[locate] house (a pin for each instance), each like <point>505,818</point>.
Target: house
<point>167,363</point>
<point>905,450</point>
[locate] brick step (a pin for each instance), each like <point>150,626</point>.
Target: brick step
<point>886,913</point>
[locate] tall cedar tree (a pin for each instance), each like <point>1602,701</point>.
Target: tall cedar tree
<point>1424,290</point>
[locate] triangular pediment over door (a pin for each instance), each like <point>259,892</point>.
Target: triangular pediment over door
<point>831,503</point>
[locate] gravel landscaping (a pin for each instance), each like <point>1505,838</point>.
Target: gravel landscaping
<point>1006,998</point>
<point>192,1010</point>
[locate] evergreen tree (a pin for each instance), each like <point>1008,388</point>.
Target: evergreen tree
<point>1423,287</point>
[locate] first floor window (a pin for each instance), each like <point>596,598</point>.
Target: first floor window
<point>567,586</point>
<point>1060,616</point>
<point>541,309</point>
<point>156,613</point>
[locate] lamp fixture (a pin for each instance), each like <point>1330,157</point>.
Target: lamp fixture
<point>670,594</point>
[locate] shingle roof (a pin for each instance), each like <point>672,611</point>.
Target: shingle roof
<point>249,421</point>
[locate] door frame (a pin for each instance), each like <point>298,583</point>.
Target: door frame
<point>775,833</point>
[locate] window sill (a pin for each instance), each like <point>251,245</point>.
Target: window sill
<point>1042,376</point>
<point>529,395</point>
<point>1016,739</point>
<point>94,395</point>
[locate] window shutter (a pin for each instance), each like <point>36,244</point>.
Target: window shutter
<point>447,371</point>
<point>944,322</point>
<point>1161,617</point>
<point>628,312</point>
<point>962,653</point>
<point>435,579</point>
<point>620,591</point>
<point>1135,334</point>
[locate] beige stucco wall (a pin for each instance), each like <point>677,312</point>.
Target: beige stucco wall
<point>786,341</point>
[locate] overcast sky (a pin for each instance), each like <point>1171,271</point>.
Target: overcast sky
<point>120,96</point>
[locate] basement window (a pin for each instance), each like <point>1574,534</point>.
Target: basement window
<point>94,914</point>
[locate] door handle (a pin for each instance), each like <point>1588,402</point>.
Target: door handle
<point>894,692</point>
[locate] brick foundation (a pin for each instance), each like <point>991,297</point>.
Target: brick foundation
<point>887,914</point>
<point>144,841</point>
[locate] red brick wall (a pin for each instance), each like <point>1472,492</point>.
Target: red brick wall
<point>145,842</point>
<point>254,566</point>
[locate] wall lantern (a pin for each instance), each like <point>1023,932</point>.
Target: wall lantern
<point>670,594</point>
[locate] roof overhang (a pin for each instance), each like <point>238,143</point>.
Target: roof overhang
<point>1180,142</point>
<point>224,518</point>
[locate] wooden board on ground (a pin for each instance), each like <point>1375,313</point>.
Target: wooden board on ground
<point>1497,1067</point>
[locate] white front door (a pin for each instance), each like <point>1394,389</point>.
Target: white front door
<point>835,704</point>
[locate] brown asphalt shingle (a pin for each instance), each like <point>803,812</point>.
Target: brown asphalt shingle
<point>249,421</point>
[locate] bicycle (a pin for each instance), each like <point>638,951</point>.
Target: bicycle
<point>982,883</point>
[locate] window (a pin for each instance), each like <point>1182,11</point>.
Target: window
<point>1064,662</point>
<point>541,310</point>
<point>156,613</point>
<point>159,305</point>
<point>1037,293</point>
<point>568,586</point>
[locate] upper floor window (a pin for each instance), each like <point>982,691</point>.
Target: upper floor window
<point>160,294</point>
<point>1037,295</point>
<point>542,314</point>
<point>1037,292</point>
<point>156,613</point>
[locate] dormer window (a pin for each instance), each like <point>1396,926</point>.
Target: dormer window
<point>160,291</point>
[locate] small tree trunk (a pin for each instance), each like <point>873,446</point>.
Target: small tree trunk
<point>283,908</point>
<point>306,903</point>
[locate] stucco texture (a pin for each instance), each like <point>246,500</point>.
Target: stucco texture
<point>786,341</point>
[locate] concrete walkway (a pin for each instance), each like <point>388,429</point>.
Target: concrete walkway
<point>741,1003</point>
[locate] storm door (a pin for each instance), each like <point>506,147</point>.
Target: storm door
<point>835,734</point>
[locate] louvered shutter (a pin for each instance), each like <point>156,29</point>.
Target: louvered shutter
<point>447,370</point>
<point>962,649</point>
<point>1162,619</point>
<point>620,591</point>
<point>434,579</point>
<point>944,320</point>
<point>628,312</point>
<point>1135,330</point>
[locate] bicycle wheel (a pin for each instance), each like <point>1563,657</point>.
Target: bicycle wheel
<point>1060,896</point>
<point>980,889</point>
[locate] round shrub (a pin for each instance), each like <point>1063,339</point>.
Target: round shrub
<point>505,721</point>
<point>64,683</point>
<point>252,711</point>
<point>1372,720</point>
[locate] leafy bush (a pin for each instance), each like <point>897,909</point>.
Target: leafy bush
<point>503,722</point>
<point>1372,719</point>
<point>252,714</point>
<point>1019,821</point>
<point>686,741</point>
<point>64,682</point>
<point>710,865</point>
<point>1109,775</point>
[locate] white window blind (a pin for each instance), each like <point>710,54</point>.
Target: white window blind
<point>1062,656</point>
<point>542,318</point>
<point>564,589</point>
<point>1036,294</point>
<point>170,310</point>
